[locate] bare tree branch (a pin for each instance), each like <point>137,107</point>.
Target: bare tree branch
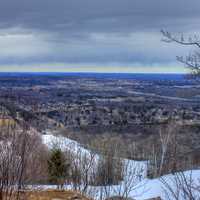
<point>193,60</point>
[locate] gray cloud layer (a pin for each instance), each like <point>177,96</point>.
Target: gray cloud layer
<point>93,32</point>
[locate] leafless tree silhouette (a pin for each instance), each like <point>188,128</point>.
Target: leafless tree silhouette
<point>192,61</point>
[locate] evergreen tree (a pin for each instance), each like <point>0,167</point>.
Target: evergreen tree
<point>58,168</point>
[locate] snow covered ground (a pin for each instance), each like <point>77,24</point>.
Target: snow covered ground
<point>156,187</point>
<point>142,188</point>
<point>63,143</point>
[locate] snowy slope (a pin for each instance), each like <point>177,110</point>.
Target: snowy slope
<point>63,143</point>
<point>143,188</point>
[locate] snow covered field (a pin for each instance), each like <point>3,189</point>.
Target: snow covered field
<point>143,188</point>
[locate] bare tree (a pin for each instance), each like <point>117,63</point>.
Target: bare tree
<point>133,174</point>
<point>14,150</point>
<point>192,60</point>
<point>163,157</point>
<point>82,169</point>
<point>117,175</point>
<point>181,186</point>
<point>37,166</point>
<point>20,162</point>
<point>109,163</point>
<point>165,140</point>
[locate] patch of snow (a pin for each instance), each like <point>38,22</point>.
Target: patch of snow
<point>63,143</point>
<point>143,188</point>
<point>156,188</point>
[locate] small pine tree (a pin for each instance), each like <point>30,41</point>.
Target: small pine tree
<point>58,168</point>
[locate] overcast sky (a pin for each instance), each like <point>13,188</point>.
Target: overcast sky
<point>94,35</point>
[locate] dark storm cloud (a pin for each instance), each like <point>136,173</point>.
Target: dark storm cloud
<point>96,31</point>
<point>96,15</point>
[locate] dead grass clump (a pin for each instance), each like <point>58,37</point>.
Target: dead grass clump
<point>54,195</point>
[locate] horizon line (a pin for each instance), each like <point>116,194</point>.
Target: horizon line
<point>82,72</point>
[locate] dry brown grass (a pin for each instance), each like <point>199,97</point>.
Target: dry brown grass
<point>7,122</point>
<point>54,195</point>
